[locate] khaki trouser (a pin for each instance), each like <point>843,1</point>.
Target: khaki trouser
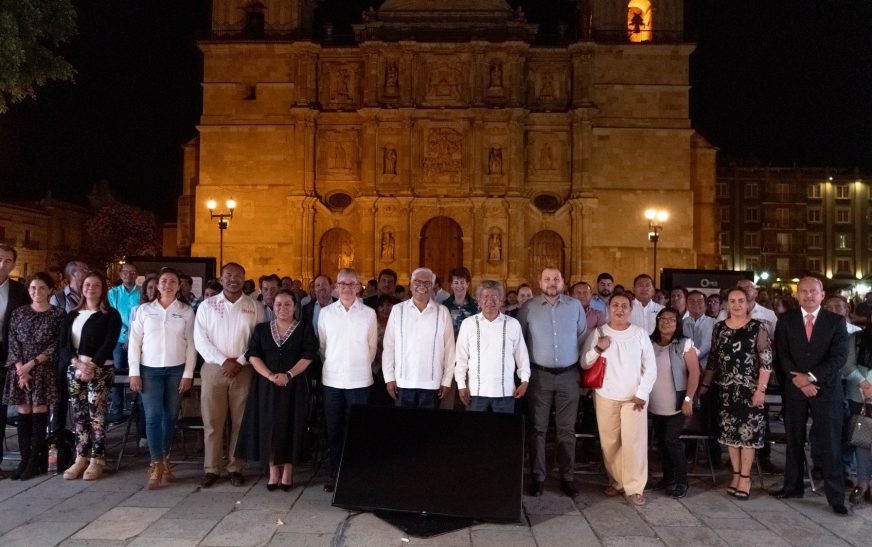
<point>623,434</point>
<point>221,395</point>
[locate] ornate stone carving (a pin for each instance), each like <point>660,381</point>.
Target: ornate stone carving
<point>495,161</point>
<point>340,86</point>
<point>547,90</point>
<point>443,81</point>
<point>495,79</point>
<point>546,157</point>
<point>388,244</point>
<point>389,161</point>
<point>443,155</point>
<point>495,246</point>
<point>392,80</point>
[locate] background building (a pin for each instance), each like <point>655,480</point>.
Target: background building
<point>444,134</point>
<point>790,221</point>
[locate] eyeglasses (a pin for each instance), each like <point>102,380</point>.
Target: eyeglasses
<point>668,320</point>
<point>422,283</point>
<point>347,285</point>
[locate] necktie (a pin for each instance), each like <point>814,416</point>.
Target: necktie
<point>809,324</point>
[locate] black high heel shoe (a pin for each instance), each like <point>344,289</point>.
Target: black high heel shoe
<point>272,487</point>
<point>286,487</point>
<point>743,494</point>
<point>731,490</point>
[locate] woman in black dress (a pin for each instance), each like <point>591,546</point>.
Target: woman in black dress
<point>275,414</point>
<point>31,381</point>
<point>740,359</point>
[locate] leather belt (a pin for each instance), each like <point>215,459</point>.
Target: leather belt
<point>553,370</point>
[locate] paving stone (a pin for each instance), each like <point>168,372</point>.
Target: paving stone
<point>121,523</point>
<point>503,538</point>
<point>761,502</point>
<point>732,524</point>
<point>241,528</point>
<point>365,529</point>
<point>682,536</point>
<point>313,518</point>
<point>174,528</point>
<point>300,540</point>
<point>54,487</point>
<point>93,543</point>
<point>16,511</point>
<point>631,541</point>
<point>549,504</point>
<point>663,511</point>
<point>562,530</point>
<point>83,507</point>
<point>713,504</point>
<point>797,529</point>
<point>758,538</point>
<point>260,498</point>
<point>854,530</point>
<point>457,538</point>
<point>155,498</point>
<point>162,542</point>
<point>204,505</point>
<point>41,533</point>
<point>614,517</point>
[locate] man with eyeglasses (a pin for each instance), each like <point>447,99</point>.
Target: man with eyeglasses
<point>418,355</point>
<point>348,340</point>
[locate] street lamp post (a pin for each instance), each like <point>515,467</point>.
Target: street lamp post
<point>656,218</point>
<point>223,224</point>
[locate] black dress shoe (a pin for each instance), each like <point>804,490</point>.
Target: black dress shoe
<point>272,487</point>
<point>537,488</point>
<point>840,509</point>
<point>329,486</point>
<point>856,496</point>
<point>286,487</point>
<point>236,479</point>
<point>662,484</point>
<point>785,494</point>
<point>679,491</point>
<point>208,480</point>
<point>568,488</point>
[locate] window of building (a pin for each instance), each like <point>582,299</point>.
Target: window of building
<point>725,239</point>
<point>752,190</point>
<point>782,265</point>
<point>782,215</point>
<point>843,215</point>
<point>723,191</point>
<point>639,20</point>
<point>844,266</point>
<point>783,240</point>
<point>815,214</point>
<point>751,239</point>
<point>814,191</point>
<point>843,191</point>
<point>782,191</point>
<point>815,240</point>
<point>752,263</point>
<point>752,214</point>
<point>725,213</point>
<point>815,264</point>
<point>843,241</point>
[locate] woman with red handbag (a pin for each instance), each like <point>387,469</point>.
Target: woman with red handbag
<point>630,372</point>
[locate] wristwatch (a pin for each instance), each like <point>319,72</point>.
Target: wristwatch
<point>687,399</point>
<point>811,378</point>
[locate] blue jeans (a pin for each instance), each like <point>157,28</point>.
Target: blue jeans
<point>160,402</point>
<point>337,403</point>
<point>418,398</point>
<point>116,400</point>
<point>501,405</point>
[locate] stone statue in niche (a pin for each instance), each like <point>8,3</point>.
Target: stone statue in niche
<point>387,245</point>
<point>346,254</point>
<point>392,78</point>
<point>496,75</point>
<point>546,86</point>
<point>341,91</point>
<point>389,161</point>
<point>495,161</point>
<point>495,247</point>
<point>546,158</point>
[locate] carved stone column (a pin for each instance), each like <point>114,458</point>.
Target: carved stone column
<point>514,247</point>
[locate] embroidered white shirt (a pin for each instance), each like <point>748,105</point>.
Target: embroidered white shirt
<point>222,329</point>
<point>488,354</point>
<point>162,337</point>
<point>419,346</point>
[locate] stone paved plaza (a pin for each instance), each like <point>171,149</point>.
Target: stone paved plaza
<point>117,510</point>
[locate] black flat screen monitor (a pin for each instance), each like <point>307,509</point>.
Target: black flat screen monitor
<point>433,462</point>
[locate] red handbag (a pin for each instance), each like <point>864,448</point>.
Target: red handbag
<point>592,378</point>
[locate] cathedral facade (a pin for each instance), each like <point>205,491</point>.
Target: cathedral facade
<point>446,134</point>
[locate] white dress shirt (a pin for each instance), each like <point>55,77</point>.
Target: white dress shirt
<point>348,341</point>
<point>700,331</point>
<point>631,367</point>
<point>645,316</point>
<point>162,337</point>
<point>223,328</point>
<point>489,352</point>
<point>419,346</point>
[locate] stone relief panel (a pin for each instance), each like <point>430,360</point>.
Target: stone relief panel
<point>388,244</point>
<point>442,158</point>
<point>548,155</point>
<point>338,154</point>
<point>444,81</point>
<point>547,86</point>
<point>391,80</point>
<point>340,85</point>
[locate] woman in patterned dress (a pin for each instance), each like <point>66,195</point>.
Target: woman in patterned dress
<point>740,359</point>
<point>30,381</point>
<point>275,413</point>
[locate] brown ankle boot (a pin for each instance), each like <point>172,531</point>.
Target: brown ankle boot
<point>156,475</point>
<point>75,471</point>
<point>95,469</point>
<point>168,475</point>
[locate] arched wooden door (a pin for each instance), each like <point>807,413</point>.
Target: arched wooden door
<point>337,251</point>
<point>546,251</point>
<point>441,246</point>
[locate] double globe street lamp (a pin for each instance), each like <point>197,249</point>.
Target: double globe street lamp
<point>656,218</point>
<point>223,224</point>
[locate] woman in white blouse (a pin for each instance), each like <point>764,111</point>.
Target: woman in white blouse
<point>161,356</point>
<point>620,402</point>
<point>672,398</point>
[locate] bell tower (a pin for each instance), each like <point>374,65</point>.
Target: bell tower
<point>633,21</point>
<point>254,19</point>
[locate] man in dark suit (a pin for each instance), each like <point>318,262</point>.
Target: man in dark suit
<point>387,282</point>
<point>812,345</point>
<point>322,287</point>
<point>12,295</point>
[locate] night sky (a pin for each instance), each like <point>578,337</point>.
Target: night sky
<point>773,83</point>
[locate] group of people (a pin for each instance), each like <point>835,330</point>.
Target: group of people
<point>482,350</point>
